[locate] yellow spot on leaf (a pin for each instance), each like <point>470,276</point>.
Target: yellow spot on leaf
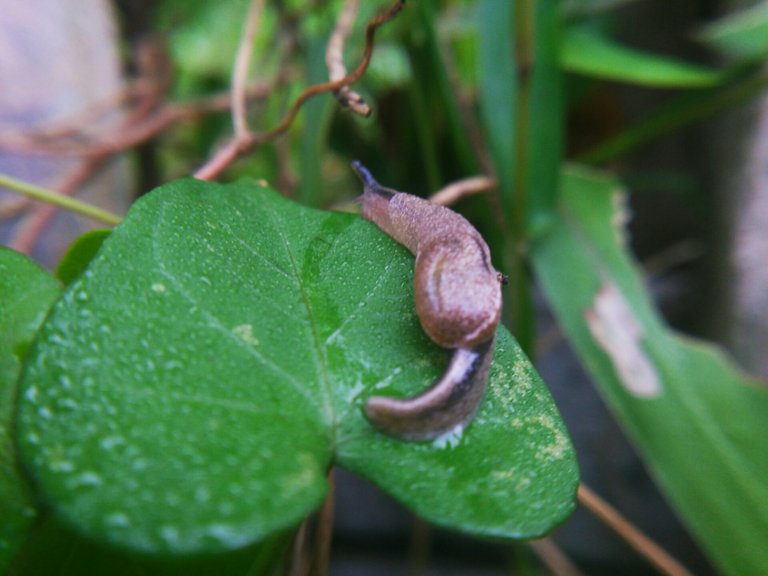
<point>245,333</point>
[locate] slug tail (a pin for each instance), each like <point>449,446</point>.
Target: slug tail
<point>451,401</point>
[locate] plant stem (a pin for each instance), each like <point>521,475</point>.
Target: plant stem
<point>525,33</point>
<point>65,202</point>
<point>242,67</point>
<point>646,547</point>
<point>554,558</point>
<point>515,251</point>
<point>324,531</point>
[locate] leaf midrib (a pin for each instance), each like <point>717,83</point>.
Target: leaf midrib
<point>320,360</point>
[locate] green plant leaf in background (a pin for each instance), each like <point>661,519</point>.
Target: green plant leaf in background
<point>590,53</point>
<point>80,254</point>
<point>543,139</point>
<point>742,34</point>
<point>191,389</point>
<point>698,422</point>
<point>498,90</point>
<point>26,294</point>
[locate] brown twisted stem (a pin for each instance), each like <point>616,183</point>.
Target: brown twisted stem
<point>238,146</point>
<point>334,60</point>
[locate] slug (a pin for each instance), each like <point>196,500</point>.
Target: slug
<point>457,295</point>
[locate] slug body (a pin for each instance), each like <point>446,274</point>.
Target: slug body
<point>458,301</point>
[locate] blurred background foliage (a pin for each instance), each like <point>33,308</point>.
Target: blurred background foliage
<point>644,90</point>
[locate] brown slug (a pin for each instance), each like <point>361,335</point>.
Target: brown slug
<point>458,301</point>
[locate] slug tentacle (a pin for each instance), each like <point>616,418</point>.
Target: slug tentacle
<point>370,183</point>
<point>458,302</point>
<point>451,401</point>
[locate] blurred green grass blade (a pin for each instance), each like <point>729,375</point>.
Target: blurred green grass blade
<point>498,90</point>
<point>591,54</point>
<point>315,125</point>
<point>742,34</point>
<point>431,71</point>
<point>426,141</point>
<point>521,105</point>
<point>697,420</point>
<point>678,112</point>
<point>544,137</point>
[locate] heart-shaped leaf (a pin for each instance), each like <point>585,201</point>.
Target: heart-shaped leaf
<point>26,294</point>
<point>191,389</point>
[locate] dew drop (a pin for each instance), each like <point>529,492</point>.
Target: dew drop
<point>202,495</point>
<point>70,404</point>
<point>170,534</point>
<point>118,520</point>
<point>32,394</point>
<point>223,533</point>
<point>173,500</point>
<point>62,466</point>
<point>110,442</point>
<point>88,479</point>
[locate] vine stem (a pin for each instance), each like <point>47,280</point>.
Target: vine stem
<point>455,191</point>
<point>553,558</point>
<point>242,66</point>
<point>324,531</point>
<point>334,60</point>
<point>56,199</point>
<point>240,145</point>
<point>519,296</point>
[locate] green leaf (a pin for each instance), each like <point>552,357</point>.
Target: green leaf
<point>190,391</point>
<point>698,421</point>
<point>26,293</point>
<point>203,36</point>
<point>742,34</point>
<point>433,91</point>
<point>544,140</point>
<point>316,123</point>
<point>54,549</point>
<point>80,254</point>
<point>591,54</point>
<point>498,91</point>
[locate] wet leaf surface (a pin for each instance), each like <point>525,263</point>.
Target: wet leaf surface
<point>193,386</point>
